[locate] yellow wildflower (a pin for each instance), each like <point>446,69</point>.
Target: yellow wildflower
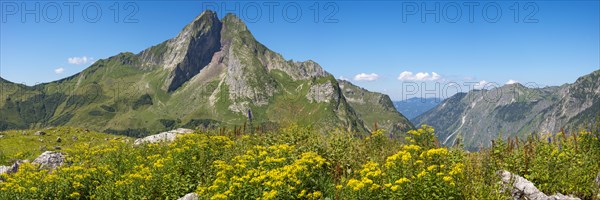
<point>74,195</point>
<point>448,179</point>
<point>314,195</point>
<point>402,180</point>
<point>411,147</point>
<point>422,174</point>
<point>431,168</point>
<point>302,193</point>
<point>270,195</point>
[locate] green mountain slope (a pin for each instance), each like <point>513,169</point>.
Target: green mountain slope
<point>374,108</point>
<point>213,73</point>
<point>514,110</point>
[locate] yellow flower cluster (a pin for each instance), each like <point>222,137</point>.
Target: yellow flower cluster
<point>406,170</point>
<point>423,130</point>
<point>411,147</point>
<point>433,153</point>
<point>356,185</point>
<point>273,169</point>
<point>403,156</point>
<point>457,169</point>
<point>370,170</point>
<point>378,132</point>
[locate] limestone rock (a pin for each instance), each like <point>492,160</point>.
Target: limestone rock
<point>39,133</point>
<point>50,160</point>
<point>598,181</point>
<point>190,196</point>
<point>164,136</point>
<point>524,189</point>
<point>11,169</point>
<point>321,93</point>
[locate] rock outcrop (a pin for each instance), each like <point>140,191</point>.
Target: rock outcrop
<point>50,160</point>
<point>11,169</point>
<point>598,180</point>
<point>190,196</point>
<point>521,188</point>
<point>47,160</point>
<point>322,93</point>
<point>163,137</point>
<point>39,133</point>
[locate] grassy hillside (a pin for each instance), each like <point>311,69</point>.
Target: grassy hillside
<point>300,163</point>
<point>24,145</point>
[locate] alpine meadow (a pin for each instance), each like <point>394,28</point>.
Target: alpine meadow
<point>212,113</point>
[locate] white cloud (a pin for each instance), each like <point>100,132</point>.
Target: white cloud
<point>480,85</point>
<point>79,60</point>
<point>511,82</point>
<point>59,70</point>
<point>366,77</point>
<point>420,76</point>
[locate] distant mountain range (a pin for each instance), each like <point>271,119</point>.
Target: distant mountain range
<point>514,110</point>
<point>213,73</point>
<point>415,106</point>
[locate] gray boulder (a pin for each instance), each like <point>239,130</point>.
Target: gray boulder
<point>39,133</point>
<point>163,137</point>
<point>11,169</point>
<point>598,179</point>
<point>524,189</point>
<point>50,160</point>
<point>190,196</point>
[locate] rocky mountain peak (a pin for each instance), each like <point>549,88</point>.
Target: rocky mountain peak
<point>214,72</point>
<point>187,53</point>
<point>233,20</point>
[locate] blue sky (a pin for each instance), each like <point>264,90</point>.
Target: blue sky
<point>370,43</point>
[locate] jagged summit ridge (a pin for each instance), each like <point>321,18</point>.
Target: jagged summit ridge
<point>197,44</point>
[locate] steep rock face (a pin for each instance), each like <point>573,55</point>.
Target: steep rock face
<point>374,108</point>
<point>189,52</point>
<point>322,93</point>
<point>514,111</point>
<point>578,103</point>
